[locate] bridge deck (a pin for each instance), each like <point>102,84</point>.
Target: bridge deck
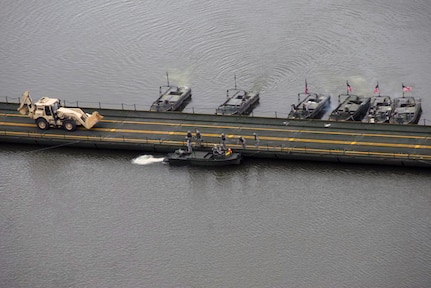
<point>354,142</point>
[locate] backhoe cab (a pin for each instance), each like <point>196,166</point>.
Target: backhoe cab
<point>47,112</point>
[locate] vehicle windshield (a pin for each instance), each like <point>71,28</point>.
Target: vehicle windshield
<point>55,107</point>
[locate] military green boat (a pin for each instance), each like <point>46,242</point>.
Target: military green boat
<point>171,98</point>
<point>238,102</point>
<point>312,106</point>
<point>406,110</point>
<point>380,110</point>
<point>353,108</point>
<point>202,158</point>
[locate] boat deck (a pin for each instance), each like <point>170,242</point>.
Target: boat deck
<point>239,103</point>
<point>160,132</point>
<point>171,99</point>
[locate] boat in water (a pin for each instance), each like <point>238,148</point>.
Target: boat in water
<point>406,110</point>
<point>352,108</point>
<point>171,98</point>
<point>380,110</point>
<point>312,106</point>
<point>203,158</point>
<point>238,102</point>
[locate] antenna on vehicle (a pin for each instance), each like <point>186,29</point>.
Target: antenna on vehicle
<point>235,80</point>
<point>167,78</point>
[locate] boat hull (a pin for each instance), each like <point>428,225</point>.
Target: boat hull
<point>406,111</point>
<point>240,103</point>
<point>380,110</point>
<point>201,158</point>
<point>353,108</point>
<point>312,106</point>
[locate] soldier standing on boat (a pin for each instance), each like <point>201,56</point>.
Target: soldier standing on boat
<point>223,141</point>
<point>217,150</point>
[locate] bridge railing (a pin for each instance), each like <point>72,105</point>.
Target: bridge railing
<point>140,107</point>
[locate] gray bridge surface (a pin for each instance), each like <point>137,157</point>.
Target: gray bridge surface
<point>156,132</point>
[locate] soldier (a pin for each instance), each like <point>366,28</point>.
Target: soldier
<point>198,137</point>
<point>223,141</point>
<point>256,139</point>
<point>189,135</point>
<point>189,146</point>
<point>241,141</point>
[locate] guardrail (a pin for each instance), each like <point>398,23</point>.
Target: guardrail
<point>139,107</point>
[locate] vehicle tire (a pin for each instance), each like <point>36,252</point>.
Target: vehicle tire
<point>69,125</point>
<point>42,124</point>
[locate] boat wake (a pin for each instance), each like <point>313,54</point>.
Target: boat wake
<point>146,160</point>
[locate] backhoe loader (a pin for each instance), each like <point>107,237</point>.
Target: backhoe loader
<point>47,112</point>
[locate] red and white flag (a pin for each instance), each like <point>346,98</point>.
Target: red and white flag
<point>377,89</point>
<point>349,88</point>
<point>407,88</point>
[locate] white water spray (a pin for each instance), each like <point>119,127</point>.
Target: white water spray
<point>146,160</point>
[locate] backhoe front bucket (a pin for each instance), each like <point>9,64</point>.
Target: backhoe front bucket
<point>92,119</point>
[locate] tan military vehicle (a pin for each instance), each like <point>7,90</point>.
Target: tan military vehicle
<point>47,112</point>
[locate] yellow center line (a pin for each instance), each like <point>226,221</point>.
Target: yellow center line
<point>255,129</point>
<point>266,129</point>
<point>262,138</point>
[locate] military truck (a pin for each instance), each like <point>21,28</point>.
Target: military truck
<point>47,112</point>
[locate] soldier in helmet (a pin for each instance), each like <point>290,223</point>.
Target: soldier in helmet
<point>223,141</point>
<point>241,140</point>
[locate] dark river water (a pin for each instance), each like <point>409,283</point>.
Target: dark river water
<point>95,218</point>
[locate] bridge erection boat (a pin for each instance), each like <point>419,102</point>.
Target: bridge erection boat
<point>312,106</point>
<point>406,110</point>
<point>171,98</point>
<point>380,110</point>
<point>238,102</point>
<point>353,108</point>
<point>202,158</point>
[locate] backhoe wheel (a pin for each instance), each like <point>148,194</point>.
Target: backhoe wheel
<point>69,125</point>
<point>42,124</point>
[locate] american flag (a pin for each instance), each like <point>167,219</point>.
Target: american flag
<point>376,89</point>
<point>349,88</point>
<point>407,88</point>
<point>306,87</point>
